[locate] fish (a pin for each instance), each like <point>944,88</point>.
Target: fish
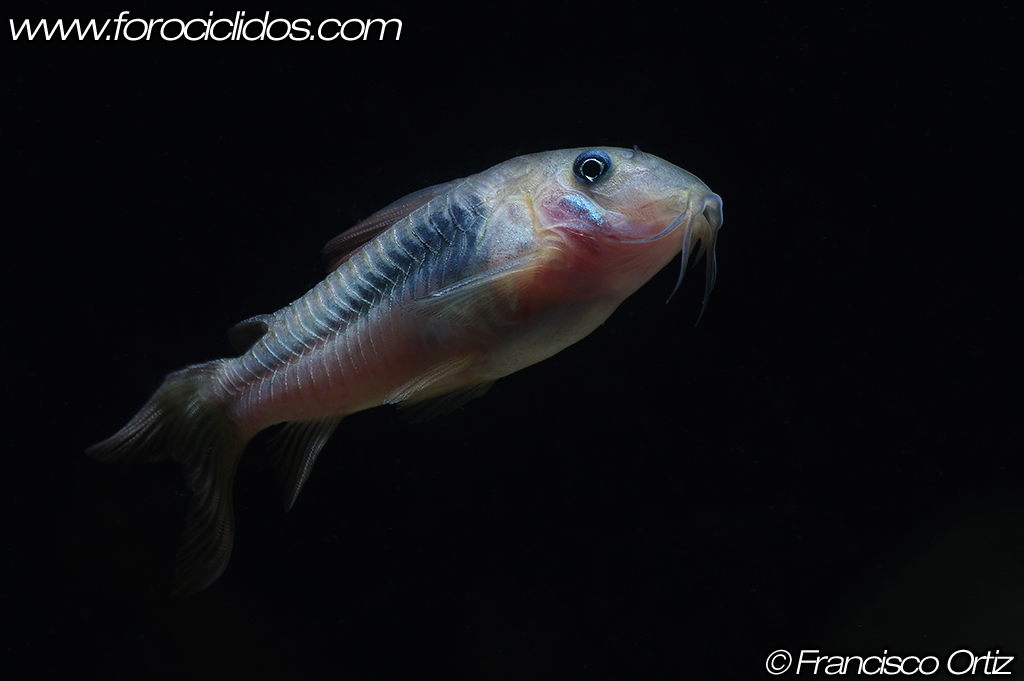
<point>426,304</point>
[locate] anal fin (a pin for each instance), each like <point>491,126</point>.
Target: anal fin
<point>293,452</point>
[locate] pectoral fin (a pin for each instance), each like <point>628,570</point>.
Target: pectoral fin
<point>461,302</point>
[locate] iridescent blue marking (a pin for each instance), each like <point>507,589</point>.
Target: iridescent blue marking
<point>582,207</point>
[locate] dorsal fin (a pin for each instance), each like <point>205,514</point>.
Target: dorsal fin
<point>345,244</point>
<point>244,334</point>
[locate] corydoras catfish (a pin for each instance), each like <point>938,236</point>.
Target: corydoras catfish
<point>427,303</point>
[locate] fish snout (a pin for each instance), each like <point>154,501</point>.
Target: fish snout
<point>710,221</point>
<point>699,222</point>
<point>709,207</point>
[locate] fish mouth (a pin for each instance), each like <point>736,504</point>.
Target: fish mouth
<point>701,221</point>
<point>711,216</point>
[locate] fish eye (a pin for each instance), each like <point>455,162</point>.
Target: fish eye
<point>591,166</point>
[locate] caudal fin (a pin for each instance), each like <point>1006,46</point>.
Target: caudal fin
<point>184,421</point>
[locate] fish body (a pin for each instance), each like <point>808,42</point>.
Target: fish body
<point>428,302</point>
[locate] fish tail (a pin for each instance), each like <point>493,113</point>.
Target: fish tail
<point>186,420</point>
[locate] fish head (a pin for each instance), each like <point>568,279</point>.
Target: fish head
<point>618,216</point>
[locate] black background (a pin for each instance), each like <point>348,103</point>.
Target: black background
<point>830,460</point>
